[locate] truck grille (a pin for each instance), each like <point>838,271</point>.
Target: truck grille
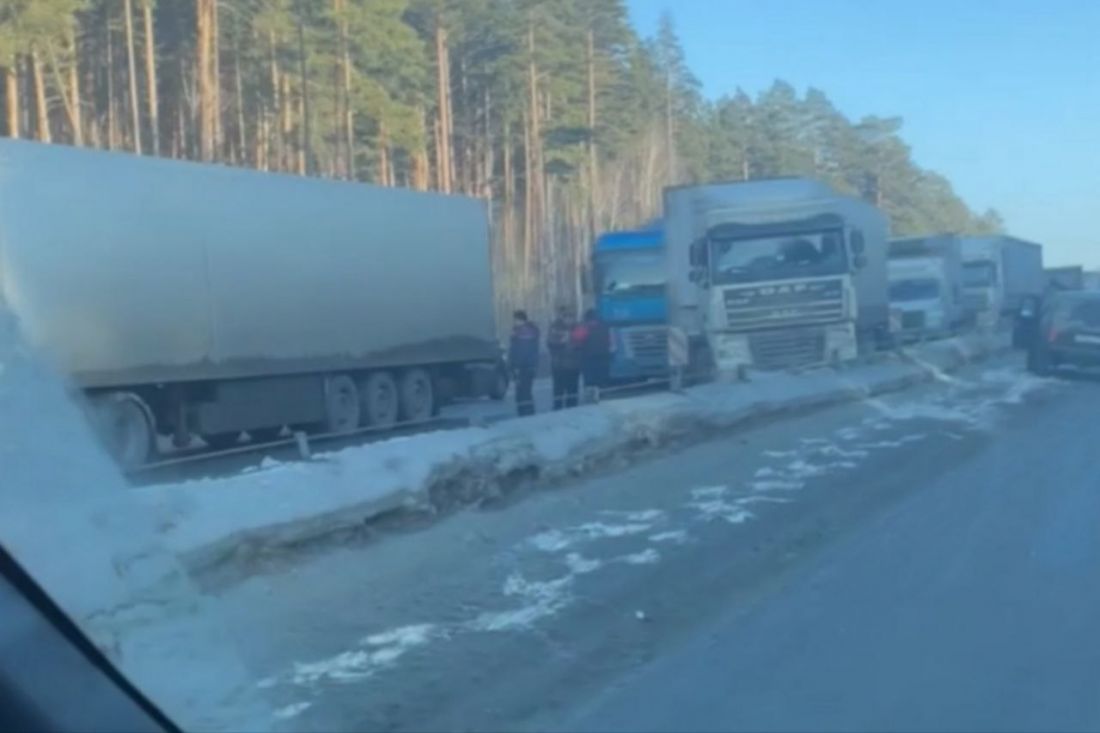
<point>648,345</point>
<point>787,347</point>
<point>797,304</point>
<point>912,319</point>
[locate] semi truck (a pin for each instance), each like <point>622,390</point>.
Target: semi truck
<point>926,297</point>
<point>199,300</point>
<point>630,279</point>
<point>774,273</point>
<point>1071,277</point>
<point>999,272</point>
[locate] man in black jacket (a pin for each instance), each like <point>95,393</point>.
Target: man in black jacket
<point>564,360</point>
<point>523,358</point>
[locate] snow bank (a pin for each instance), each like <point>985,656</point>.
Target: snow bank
<point>68,518</point>
<point>212,521</point>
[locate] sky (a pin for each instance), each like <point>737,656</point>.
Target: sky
<point>1000,96</point>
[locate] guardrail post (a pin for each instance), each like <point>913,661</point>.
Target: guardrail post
<point>302,441</point>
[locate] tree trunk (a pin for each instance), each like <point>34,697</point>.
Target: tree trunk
<point>216,78</point>
<point>347,121</point>
<point>131,70</point>
<point>238,101</point>
<point>533,163</point>
<point>444,161</point>
<point>385,171</point>
<point>593,173</point>
<point>152,104</point>
<point>669,132</point>
<point>11,97</point>
<point>70,98</point>
<point>274,144</point>
<point>41,108</point>
<point>305,157</point>
<point>204,72</point>
<point>529,209</point>
<point>74,90</point>
<point>286,124</point>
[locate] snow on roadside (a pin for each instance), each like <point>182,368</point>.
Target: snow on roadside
<point>209,521</point>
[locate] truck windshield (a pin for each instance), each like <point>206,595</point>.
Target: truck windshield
<point>632,273</point>
<point>805,254</point>
<point>917,289</point>
<point>978,274</point>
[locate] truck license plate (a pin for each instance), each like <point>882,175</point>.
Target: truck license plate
<point>1084,338</point>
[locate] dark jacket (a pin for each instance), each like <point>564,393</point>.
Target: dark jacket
<point>523,352</point>
<point>563,353</point>
<point>592,340</point>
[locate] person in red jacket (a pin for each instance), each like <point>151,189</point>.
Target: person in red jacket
<point>592,339</point>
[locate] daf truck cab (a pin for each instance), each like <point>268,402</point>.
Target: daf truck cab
<point>774,274</point>
<point>629,269</point>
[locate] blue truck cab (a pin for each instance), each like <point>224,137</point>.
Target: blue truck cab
<point>629,268</point>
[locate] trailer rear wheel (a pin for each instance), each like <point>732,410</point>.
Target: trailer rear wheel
<point>417,395</point>
<point>125,426</point>
<point>342,407</point>
<point>378,400</point>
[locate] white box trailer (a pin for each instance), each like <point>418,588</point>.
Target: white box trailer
<point>212,300</point>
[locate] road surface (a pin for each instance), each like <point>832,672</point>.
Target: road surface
<point>928,560</point>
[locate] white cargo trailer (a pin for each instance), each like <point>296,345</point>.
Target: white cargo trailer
<point>197,299</point>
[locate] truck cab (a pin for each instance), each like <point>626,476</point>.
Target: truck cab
<point>775,274</point>
<point>629,269</point>
<point>999,272</point>
<point>925,286</point>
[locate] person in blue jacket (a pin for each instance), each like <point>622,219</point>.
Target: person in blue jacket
<point>523,358</point>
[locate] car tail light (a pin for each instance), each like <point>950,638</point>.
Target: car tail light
<point>1052,335</point>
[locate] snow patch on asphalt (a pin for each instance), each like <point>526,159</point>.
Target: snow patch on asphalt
<point>557,540</point>
<point>580,565</point>
<point>676,536</point>
<point>776,485</point>
<point>642,515</point>
<point>712,504</point>
<point>383,649</point>
<point>648,556</point>
<point>292,711</point>
<point>543,599</point>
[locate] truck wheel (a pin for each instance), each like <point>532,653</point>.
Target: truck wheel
<point>125,426</point>
<point>378,400</point>
<point>342,407</point>
<point>1038,360</point>
<point>417,395</point>
<point>498,388</point>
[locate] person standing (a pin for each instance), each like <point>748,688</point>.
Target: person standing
<point>564,360</point>
<point>593,341</point>
<point>523,358</point>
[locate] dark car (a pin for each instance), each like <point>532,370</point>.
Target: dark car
<point>1068,332</point>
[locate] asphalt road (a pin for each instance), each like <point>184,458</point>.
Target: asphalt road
<point>925,561</point>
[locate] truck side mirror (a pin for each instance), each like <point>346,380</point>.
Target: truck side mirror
<point>697,253</point>
<point>857,242</point>
<point>860,261</point>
